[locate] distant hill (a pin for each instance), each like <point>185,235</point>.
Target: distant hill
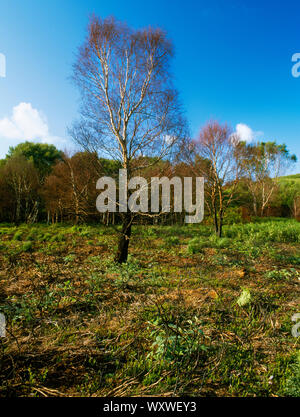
<point>288,178</point>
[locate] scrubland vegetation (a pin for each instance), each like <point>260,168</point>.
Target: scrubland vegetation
<point>138,303</point>
<point>187,314</point>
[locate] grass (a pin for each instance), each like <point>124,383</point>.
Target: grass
<point>188,314</point>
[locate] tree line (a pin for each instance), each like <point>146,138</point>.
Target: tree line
<point>40,183</point>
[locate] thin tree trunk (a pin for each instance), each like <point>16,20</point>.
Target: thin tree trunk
<point>220,228</point>
<point>255,206</point>
<point>216,222</point>
<point>122,252</point>
<point>215,217</point>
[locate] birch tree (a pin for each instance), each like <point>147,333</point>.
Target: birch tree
<point>216,160</point>
<point>130,108</point>
<point>263,163</point>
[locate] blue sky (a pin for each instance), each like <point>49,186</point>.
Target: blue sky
<point>232,63</point>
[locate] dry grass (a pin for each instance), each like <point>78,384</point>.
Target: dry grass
<point>78,325</point>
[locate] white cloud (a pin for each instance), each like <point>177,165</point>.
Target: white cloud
<point>169,139</point>
<point>27,123</point>
<point>245,133</point>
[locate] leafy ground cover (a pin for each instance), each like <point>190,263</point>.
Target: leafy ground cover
<point>189,314</point>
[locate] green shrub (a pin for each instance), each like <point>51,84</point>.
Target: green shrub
<point>27,246</point>
<point>33,235</point>
<point>175,342</point>
<point>146,231</point>
<point>261,233</point>
<point>292,385</point>
<point>217,242</point>
<point>46,237</point>
<point>69,258</point>
<point>85,233</point>
<point>60,237</point>
<point>244,298</point>
<point>233,215</point>
<point>18,235</point>
<point>282,274</point>
<point>172,241</point>
<point>197,244</point>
